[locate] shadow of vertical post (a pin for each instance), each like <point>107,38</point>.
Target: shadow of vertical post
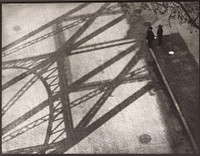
<point>61,148</point>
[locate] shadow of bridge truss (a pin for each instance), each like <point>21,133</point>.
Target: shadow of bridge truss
<point>48,69</point>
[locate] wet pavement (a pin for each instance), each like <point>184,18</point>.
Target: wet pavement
<point>182,73</point>
<point>118,101</point>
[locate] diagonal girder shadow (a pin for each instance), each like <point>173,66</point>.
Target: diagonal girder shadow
<point>71,88</point>
<point>62,146</point>
<point>97,32</point>
<point>68,121</point>
<point>131,77</point>
<point>96,124</point>
<point>103,66</point>
<point>25,87</point>
<point>99,48</point>
<point>80,42</point>
<point>81,30</point>
<point>29,71</point>
<point>77,83</point>
<point>19,94</point>
<point>43,27</point>
<point>113,84</point>
<point>101,87</point>
<point>79,18</point>
<point>45,117</point>
<point>64,98</point>
<point>99,84</point>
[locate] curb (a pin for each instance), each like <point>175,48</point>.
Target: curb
<point>176,104</point>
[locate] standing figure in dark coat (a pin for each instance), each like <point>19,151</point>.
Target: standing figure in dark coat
<point>160,34</point>
<point>150,36</point>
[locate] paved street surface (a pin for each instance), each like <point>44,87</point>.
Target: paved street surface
<point>182,73</point>
<point>114,93</point>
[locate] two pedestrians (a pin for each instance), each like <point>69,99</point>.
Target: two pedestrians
<point>150,36</point>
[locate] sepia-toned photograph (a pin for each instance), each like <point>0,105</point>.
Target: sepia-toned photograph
<point>100,78</point>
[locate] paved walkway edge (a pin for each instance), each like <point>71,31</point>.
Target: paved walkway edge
<point>175,103</point>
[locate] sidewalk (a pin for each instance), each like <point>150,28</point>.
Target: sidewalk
<point>182,69</point>
<point>135,117</point>
<point>182,74</point>
<point>191,38</point>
